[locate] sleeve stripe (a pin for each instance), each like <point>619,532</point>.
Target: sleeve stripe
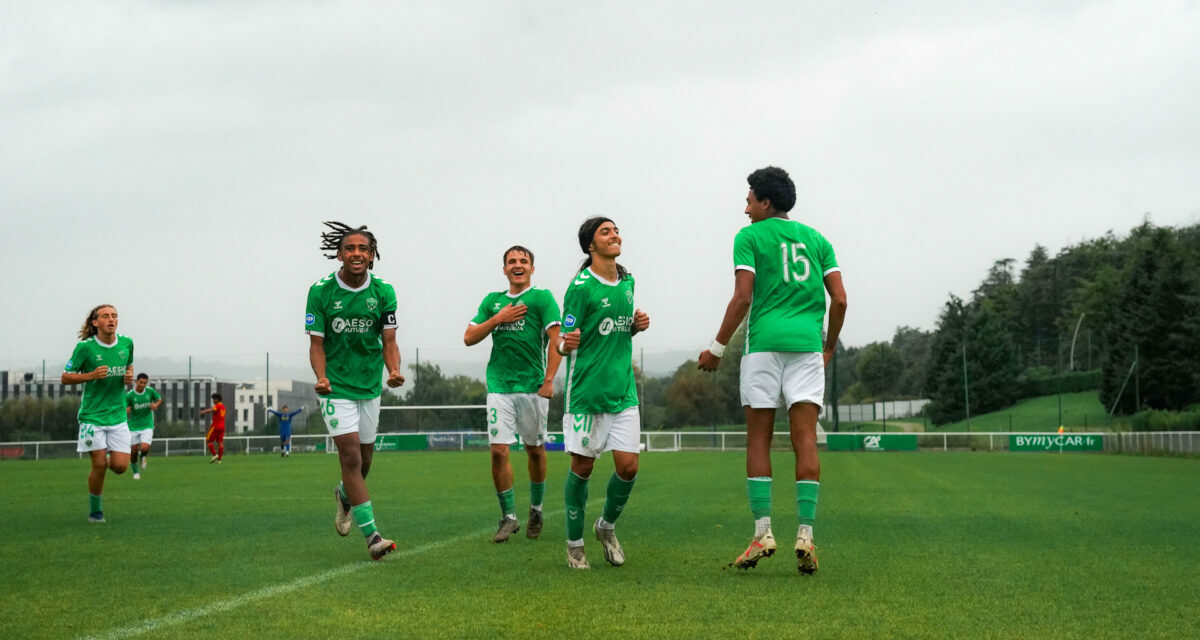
<point>744,267</point>
<point>831,270</point>
<point>319,334</point>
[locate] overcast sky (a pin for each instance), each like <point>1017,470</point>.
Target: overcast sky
<point>176,159</point>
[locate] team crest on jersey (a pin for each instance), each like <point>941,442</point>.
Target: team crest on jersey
<point>122,354</point>
<point>629,296</point>
<point>310,319</point>
<point>569,321</point>
<point>372,303</point>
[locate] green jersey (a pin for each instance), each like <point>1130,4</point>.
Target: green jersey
<point>103,402</point>
<point>789,261</point>
<point>141,415</point>
<point>600,371</point>
<point>351,322</point>
<point>518,360</point>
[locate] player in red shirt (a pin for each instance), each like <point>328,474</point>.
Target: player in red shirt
<point>216,433</point>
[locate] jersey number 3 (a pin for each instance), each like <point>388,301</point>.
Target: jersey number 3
<point>796,269</point>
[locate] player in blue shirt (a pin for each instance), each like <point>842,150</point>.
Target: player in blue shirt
<point>285,429</point>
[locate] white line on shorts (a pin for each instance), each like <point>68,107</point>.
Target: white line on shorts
<point>184,615</point>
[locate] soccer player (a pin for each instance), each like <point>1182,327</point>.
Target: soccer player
<point>601,410</point>
<point>216,433</point>
<point>523,321</point>
<point>782,271</point>
<point>103,363</point>
<point>351,324</point>
<point>140,404</point>
<point>285,429</point>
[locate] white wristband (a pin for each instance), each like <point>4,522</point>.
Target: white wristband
<point>716,348</point>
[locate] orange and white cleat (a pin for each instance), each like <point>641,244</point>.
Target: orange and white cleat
<point>762,546</point>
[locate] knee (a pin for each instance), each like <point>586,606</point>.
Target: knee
<point>118,467</point>
<point>627,471</point>
<point>499,457</point>
<point>582,466</point>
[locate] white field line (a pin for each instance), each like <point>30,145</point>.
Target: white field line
<point>221,606</point>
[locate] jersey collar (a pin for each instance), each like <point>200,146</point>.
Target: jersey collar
<point>116,339</point>
<point>519,293</point>
<point>611,283</point>
<point>366,283</point>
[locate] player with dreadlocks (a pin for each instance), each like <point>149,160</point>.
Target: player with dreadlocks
<point>103,363</point>
<point>351,325</point>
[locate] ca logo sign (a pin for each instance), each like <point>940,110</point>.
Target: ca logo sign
<point>871,442</point>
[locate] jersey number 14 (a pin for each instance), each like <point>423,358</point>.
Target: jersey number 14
<point>797,269</point>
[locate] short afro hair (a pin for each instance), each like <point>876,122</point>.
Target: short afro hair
<point>774,184</point>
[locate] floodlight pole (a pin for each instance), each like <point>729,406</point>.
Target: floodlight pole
<point>966,384</point>
<point>1071,366</point>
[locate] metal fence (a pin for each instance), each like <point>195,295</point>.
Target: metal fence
<point>1141,443</point>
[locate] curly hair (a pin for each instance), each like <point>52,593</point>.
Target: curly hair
<point>774,184</point>
<point>88,329</point>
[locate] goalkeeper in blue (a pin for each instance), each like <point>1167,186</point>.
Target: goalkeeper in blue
<point>285,428</point>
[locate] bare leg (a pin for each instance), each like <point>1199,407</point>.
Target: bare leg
<point>760,426</point>
<point>802,419</point>
<point>502,473</point>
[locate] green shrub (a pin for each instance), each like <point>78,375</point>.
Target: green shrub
<point>1154,420</point>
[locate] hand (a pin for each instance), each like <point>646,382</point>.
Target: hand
<point>570,342</point>
<point>128,375</point>
<point>322,387</point>
<point>709,362</point>
<point>511,313</point>
<point>827,355</point>
<point>100,372</point>
<point>547,389</point>
<point>395,379</point>
<point>641,321</point>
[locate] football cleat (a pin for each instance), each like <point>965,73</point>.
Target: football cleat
<point>760,547</point>
<point>576,559</point>
<point>380,546</point>
<point>96,516</point>
<point>144,461</point>
<point>137,476</point>
<point>213,459</point>
<point>506,528</point>
<point>806,555</point>
<point>342,520</point>
<point>608,541</point>
<point>533,528</point>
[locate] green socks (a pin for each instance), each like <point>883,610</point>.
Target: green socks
<point>760,496</point>
<point>507,500</point>
<point>537,494</point>
<point>806,500</point>
<point>364,516</point>
<point>94,503</point>
<point>576,495</point>
<point>618,495</point>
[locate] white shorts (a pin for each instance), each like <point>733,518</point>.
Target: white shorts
<point>517,417</point>
<point>591,434</point>
<point>771,379</point>
<point>115,438</point>
<point>142,436</point>
<point>351,416</point>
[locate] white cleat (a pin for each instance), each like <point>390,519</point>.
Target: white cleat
<point>137,476</point>
<point>608,541</point>
<point>806,555</point>
<point>342,520</point>
<point>576,559</point>
<point>380,546</point>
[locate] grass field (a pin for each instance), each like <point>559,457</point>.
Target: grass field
<point>911,545</point>
<point>1080,411</point>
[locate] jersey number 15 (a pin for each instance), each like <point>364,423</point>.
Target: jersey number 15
<point>797,269</point>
